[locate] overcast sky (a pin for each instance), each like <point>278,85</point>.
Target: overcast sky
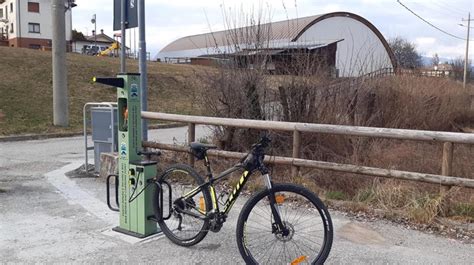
<point>167,20</point>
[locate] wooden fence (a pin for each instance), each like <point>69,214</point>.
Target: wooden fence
<point>448,139</point>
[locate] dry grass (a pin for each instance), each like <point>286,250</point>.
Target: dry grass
<point>394,197</point>
<point>464,210</point>
<point>407,102</point>
<point>26,88</point>
<point>437,102</point>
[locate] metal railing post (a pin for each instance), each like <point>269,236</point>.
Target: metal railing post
<point>191,138</point>
<point>296,152</point>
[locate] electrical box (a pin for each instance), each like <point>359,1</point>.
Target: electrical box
<point>104,135</point>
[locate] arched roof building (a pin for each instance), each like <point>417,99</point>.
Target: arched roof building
<point>361,48</point>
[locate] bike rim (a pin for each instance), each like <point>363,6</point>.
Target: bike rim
<point>305,237</point>
<point>181,183</point>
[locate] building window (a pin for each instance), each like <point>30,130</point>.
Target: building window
<point>1,12</point>
<point>11,28</point>
<point>11,7</point>
<point>33,7</point>
<point>33,28</point>
<point>35,46</point>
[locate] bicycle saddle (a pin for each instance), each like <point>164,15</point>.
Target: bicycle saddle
<point>199,149</point>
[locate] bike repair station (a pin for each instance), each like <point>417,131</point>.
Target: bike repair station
<point>134,183</point>
<point>135,179</point>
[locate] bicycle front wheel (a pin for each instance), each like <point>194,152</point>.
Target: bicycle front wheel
<point>308,234</point>
<point>180,216</point>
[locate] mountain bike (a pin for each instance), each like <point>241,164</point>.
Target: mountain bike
<point>282,224</point>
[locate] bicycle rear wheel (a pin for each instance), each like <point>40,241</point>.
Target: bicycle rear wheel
<point>182,220</point>
<point>309,231</point>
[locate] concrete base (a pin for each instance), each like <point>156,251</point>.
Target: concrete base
<point>108,164</point>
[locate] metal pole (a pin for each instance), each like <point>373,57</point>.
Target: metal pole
<point>142,65</point>
<point>95,32</point>
<point>466,58</point>
<point>130,43</point>
<point>122,42</point>
<point>135,55</point>
<point>191,138</point>
<point>60,94</point>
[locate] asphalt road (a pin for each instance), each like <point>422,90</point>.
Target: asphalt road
<point>47,217</point>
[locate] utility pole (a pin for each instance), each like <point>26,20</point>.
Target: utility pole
<point>466,58</point>
<point>142,64</point>
<point>60,94</point>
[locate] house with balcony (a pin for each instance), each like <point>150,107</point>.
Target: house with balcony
<point>28,23</point>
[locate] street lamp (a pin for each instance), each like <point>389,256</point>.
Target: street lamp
<point>70,4</point>
<point>94,21</point>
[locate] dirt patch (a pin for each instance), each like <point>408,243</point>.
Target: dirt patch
<point>445,227</point>
<point>80,172</point>
<point>360,234</point>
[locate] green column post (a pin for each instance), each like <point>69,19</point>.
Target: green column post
<point>134,173</point>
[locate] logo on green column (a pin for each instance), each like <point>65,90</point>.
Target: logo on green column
<point>134,90</point>
<point>123,150</point>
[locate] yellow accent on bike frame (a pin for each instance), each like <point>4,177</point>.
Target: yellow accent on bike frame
<point>213,197</point>
<point>231,199</point>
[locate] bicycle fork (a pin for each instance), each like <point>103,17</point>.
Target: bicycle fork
<point>278,226</point>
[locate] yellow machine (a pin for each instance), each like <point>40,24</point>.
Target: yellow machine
<point>113,47</point>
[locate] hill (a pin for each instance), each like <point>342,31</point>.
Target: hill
<point>26,88</point>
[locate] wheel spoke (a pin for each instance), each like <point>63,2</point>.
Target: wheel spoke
<point>305,230</point>
<point>182,228</point>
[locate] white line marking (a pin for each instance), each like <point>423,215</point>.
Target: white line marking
<point>74,194</point>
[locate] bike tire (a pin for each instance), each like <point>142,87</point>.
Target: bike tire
<point>250,243</point>
<point>181,178</point>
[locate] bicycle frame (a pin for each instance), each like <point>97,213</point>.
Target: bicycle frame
<point>203,203</point>
<point>232,196</point>
<point>235,192</point>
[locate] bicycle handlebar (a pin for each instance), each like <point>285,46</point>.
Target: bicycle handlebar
<point>263,143</point>
<point>256,152</point>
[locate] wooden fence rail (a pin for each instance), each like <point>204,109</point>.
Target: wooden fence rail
<point>447,138</point>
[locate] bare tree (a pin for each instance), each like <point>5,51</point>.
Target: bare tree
<point>405,53</point>
<point>458,68</point>
<point>435,60</point>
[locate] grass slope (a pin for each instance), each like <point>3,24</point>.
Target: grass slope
<point>26,103</point>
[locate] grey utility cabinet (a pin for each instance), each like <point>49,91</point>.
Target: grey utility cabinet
<point>104,135</point>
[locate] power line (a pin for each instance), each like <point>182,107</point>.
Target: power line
<point>449,7</point>
<point>436,7</point>
<point>429,23</point>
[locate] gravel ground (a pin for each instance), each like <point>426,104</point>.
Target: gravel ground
<point>47,217</point>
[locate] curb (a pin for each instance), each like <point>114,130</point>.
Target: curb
<point>27,137</point>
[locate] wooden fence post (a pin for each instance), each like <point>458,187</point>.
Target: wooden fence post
<point>296,151</point>
<point>191,138</point>
<point>446,170</point>
<point>447,165</point>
